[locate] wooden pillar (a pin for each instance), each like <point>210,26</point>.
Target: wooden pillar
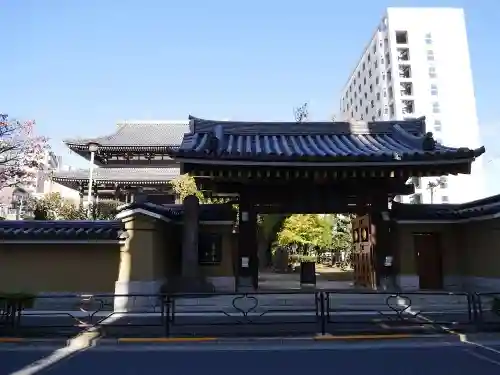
<point>190,234</point>
<point>381,236</point>
<point>248,262</point>
<point>361,248</point>
<point>81,190</point>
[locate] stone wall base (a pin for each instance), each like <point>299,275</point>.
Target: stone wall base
<point>145,298</point>
<point>454,283</point>
<point>482,284</point>
<point>223,283</point>
<point>407,282</point>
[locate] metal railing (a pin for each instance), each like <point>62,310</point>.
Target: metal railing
<point>262,313</point>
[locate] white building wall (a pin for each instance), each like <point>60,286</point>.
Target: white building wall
<point>437,44</point>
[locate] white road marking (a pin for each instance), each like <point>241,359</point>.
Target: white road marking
<point>482,357</point>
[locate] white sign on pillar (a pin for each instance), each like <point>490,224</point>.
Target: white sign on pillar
<point>244,262</point>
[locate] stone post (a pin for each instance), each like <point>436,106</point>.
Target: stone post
<point>138,270</point>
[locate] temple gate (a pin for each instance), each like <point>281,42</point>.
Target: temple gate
<point>290,167</point>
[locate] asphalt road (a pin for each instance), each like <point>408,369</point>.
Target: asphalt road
<point>266,358</point>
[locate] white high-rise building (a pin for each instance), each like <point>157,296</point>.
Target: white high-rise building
<point>417,64</point>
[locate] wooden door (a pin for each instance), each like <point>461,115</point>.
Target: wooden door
<point>429,262</point>
<point>363,260</point>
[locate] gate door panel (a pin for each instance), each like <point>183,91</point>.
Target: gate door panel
<point>364,270</point>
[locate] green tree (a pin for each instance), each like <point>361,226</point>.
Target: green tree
<point>53,206</point>
<point>307,231</point>
<point>185,185</point>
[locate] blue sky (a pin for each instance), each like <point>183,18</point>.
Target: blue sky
<point>78,66</point>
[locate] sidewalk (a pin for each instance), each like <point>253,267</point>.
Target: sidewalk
<point>278,302</point>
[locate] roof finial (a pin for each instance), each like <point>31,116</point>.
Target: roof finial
<point>428,143</point>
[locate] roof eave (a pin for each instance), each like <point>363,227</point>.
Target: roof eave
<point>196,158</point>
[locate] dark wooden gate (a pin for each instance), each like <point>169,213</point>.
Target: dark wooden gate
<point>363,259</point>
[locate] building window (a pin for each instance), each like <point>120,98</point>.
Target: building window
<point>403,54</point>
<point>435,107</point>
<point>372,103</point>
<point>210,248</point>
<point>375,48</point>
<point>366,110</point>
<point>404,71</point>
<point>377,81</point>
<point>373,118</point>
<point>371,88</point>
<point>379,113</point>
<point>376,64</point>
<point>401,37</point>
<point>428,38</point>
<point>391,109</point>
<point>434,89</point>
<point>359,74</point>
<point>443,182</point>
<point>408,107</point>
<point>437,125</point>
<point>364,81</point>
<point>416,199</point>
<point>432,72</point>
<point>369,73</point>
<point>389,76</point>
<point>366,95</point>
<point>406,88</point>
<point>387,59</point>
<point>417,182</point>
<point>369,58</point>
<point>364,66</point>
<point>378,96</point>
<point>430,55</point>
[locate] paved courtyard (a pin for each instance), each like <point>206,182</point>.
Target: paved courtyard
<point>395,357</point>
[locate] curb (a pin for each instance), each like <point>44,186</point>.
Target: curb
<point>92,338</point>
<point>22,340</point>
<point>174,340</point>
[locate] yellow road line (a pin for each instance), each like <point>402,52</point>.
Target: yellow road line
<point>11,339</point>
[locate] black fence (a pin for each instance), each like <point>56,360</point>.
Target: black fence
<point>263,313</point>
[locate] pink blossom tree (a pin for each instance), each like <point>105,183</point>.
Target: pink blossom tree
<point>21,151</point>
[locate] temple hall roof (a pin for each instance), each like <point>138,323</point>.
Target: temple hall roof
<point>136,135</point>
<point>143,176</point>
<point>335,143</point>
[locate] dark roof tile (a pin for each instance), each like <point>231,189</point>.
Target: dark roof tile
<point>175,212</point>
<point>315,141</point>
<point>132,175</point>
<point>137,135</point>
<point>482,207</point>
<point>60,230</point>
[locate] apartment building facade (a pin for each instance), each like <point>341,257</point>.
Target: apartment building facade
<point>417,64</point>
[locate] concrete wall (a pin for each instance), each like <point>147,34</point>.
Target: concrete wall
<point>480,249</point>
<point>140,265</point>
<point>471,254</point>
<point>62,268</point>
<point>222,275</point>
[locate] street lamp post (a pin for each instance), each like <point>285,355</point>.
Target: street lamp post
<point>93,147</point>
